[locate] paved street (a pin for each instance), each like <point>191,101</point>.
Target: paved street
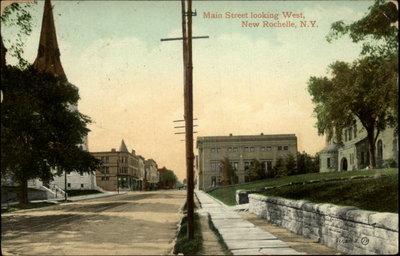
<point>130,224</point>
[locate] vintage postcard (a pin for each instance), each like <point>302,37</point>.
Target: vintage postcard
<point>191,127</point>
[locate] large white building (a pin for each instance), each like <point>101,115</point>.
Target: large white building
<point>240,150</point>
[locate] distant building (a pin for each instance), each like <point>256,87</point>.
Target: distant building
<point>141,162</point>
<point>120,170</point>
<point>240,150</point>
<point>353,153</point>
<point>151,174</point>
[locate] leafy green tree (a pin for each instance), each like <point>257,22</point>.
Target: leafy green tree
<point>167,178</point>
<point>228,172</point>
<point>39,129</point>
<point>256,171</point>
<point>279,168</point>
<point>375,30</point>
<point>290,165</point>
<point>368,87</point>
<point>307,163</point>
<point>18,18</point>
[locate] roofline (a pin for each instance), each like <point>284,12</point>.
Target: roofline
<point>246,137</point>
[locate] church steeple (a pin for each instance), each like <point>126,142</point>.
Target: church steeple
<point>48,58</point>
<point>122,147</point>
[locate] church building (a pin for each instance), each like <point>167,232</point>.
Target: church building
<point>48,61</point>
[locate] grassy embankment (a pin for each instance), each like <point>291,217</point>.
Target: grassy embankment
<point>378,193</point>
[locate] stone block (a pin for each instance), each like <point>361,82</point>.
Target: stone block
<point>360,216</point>
<point>385,220</point>
<point>280,251</point>
<point>249,235</point>
<point>254,244</point>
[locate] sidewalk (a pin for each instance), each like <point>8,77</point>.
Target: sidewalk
<point>241,236</point>
<point>71,199</point>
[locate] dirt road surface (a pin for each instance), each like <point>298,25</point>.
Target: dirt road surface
<point>131,224</point>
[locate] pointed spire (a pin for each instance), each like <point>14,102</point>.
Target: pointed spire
<point>48,58</point>
<point>123,147</point>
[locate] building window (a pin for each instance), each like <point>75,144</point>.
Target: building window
<point>362,160</point>
<point>267,166</point>
<point>235,149</point>
<point>279,147</point>
<point>350,133</point>
<point>212,149</point>
<point>251,149</point>
<point>69,185</point>
<point>269,148</point>
<point>213,181</point>
<point>218,149</point>
<point>246,166</point>
<point>214,166</point>
<point>229,149</point>
<point>285,148</point>
<point>235,165</point>
<point>345,135</point>
<point>355,130</point>
<point>246,149</point>
<point>328,162</point>
<point>262,148</point>
<point>81,185</point>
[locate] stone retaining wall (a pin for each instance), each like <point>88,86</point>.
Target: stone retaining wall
<point>347,229</point>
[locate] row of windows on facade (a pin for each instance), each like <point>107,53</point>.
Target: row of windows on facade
<point>266,165</point>
<point>249,149</point>
<point>106,159</point>
<point>121,170</point>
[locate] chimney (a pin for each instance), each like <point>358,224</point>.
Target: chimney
<point>262,133</point>
<point>230,134</point>
<point>133,152</point>
<point>113,150</point>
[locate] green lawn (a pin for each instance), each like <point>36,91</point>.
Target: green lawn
<point>227,194</point>
<point>377,194</point>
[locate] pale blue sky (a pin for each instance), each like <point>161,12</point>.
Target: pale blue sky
<point>246,80</point>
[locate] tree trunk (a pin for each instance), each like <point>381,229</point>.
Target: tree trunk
<point>371,148</point>
<point>23,193</point>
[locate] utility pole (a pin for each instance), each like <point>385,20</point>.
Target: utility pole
<point>188,102</point>
<point>188,105</point>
